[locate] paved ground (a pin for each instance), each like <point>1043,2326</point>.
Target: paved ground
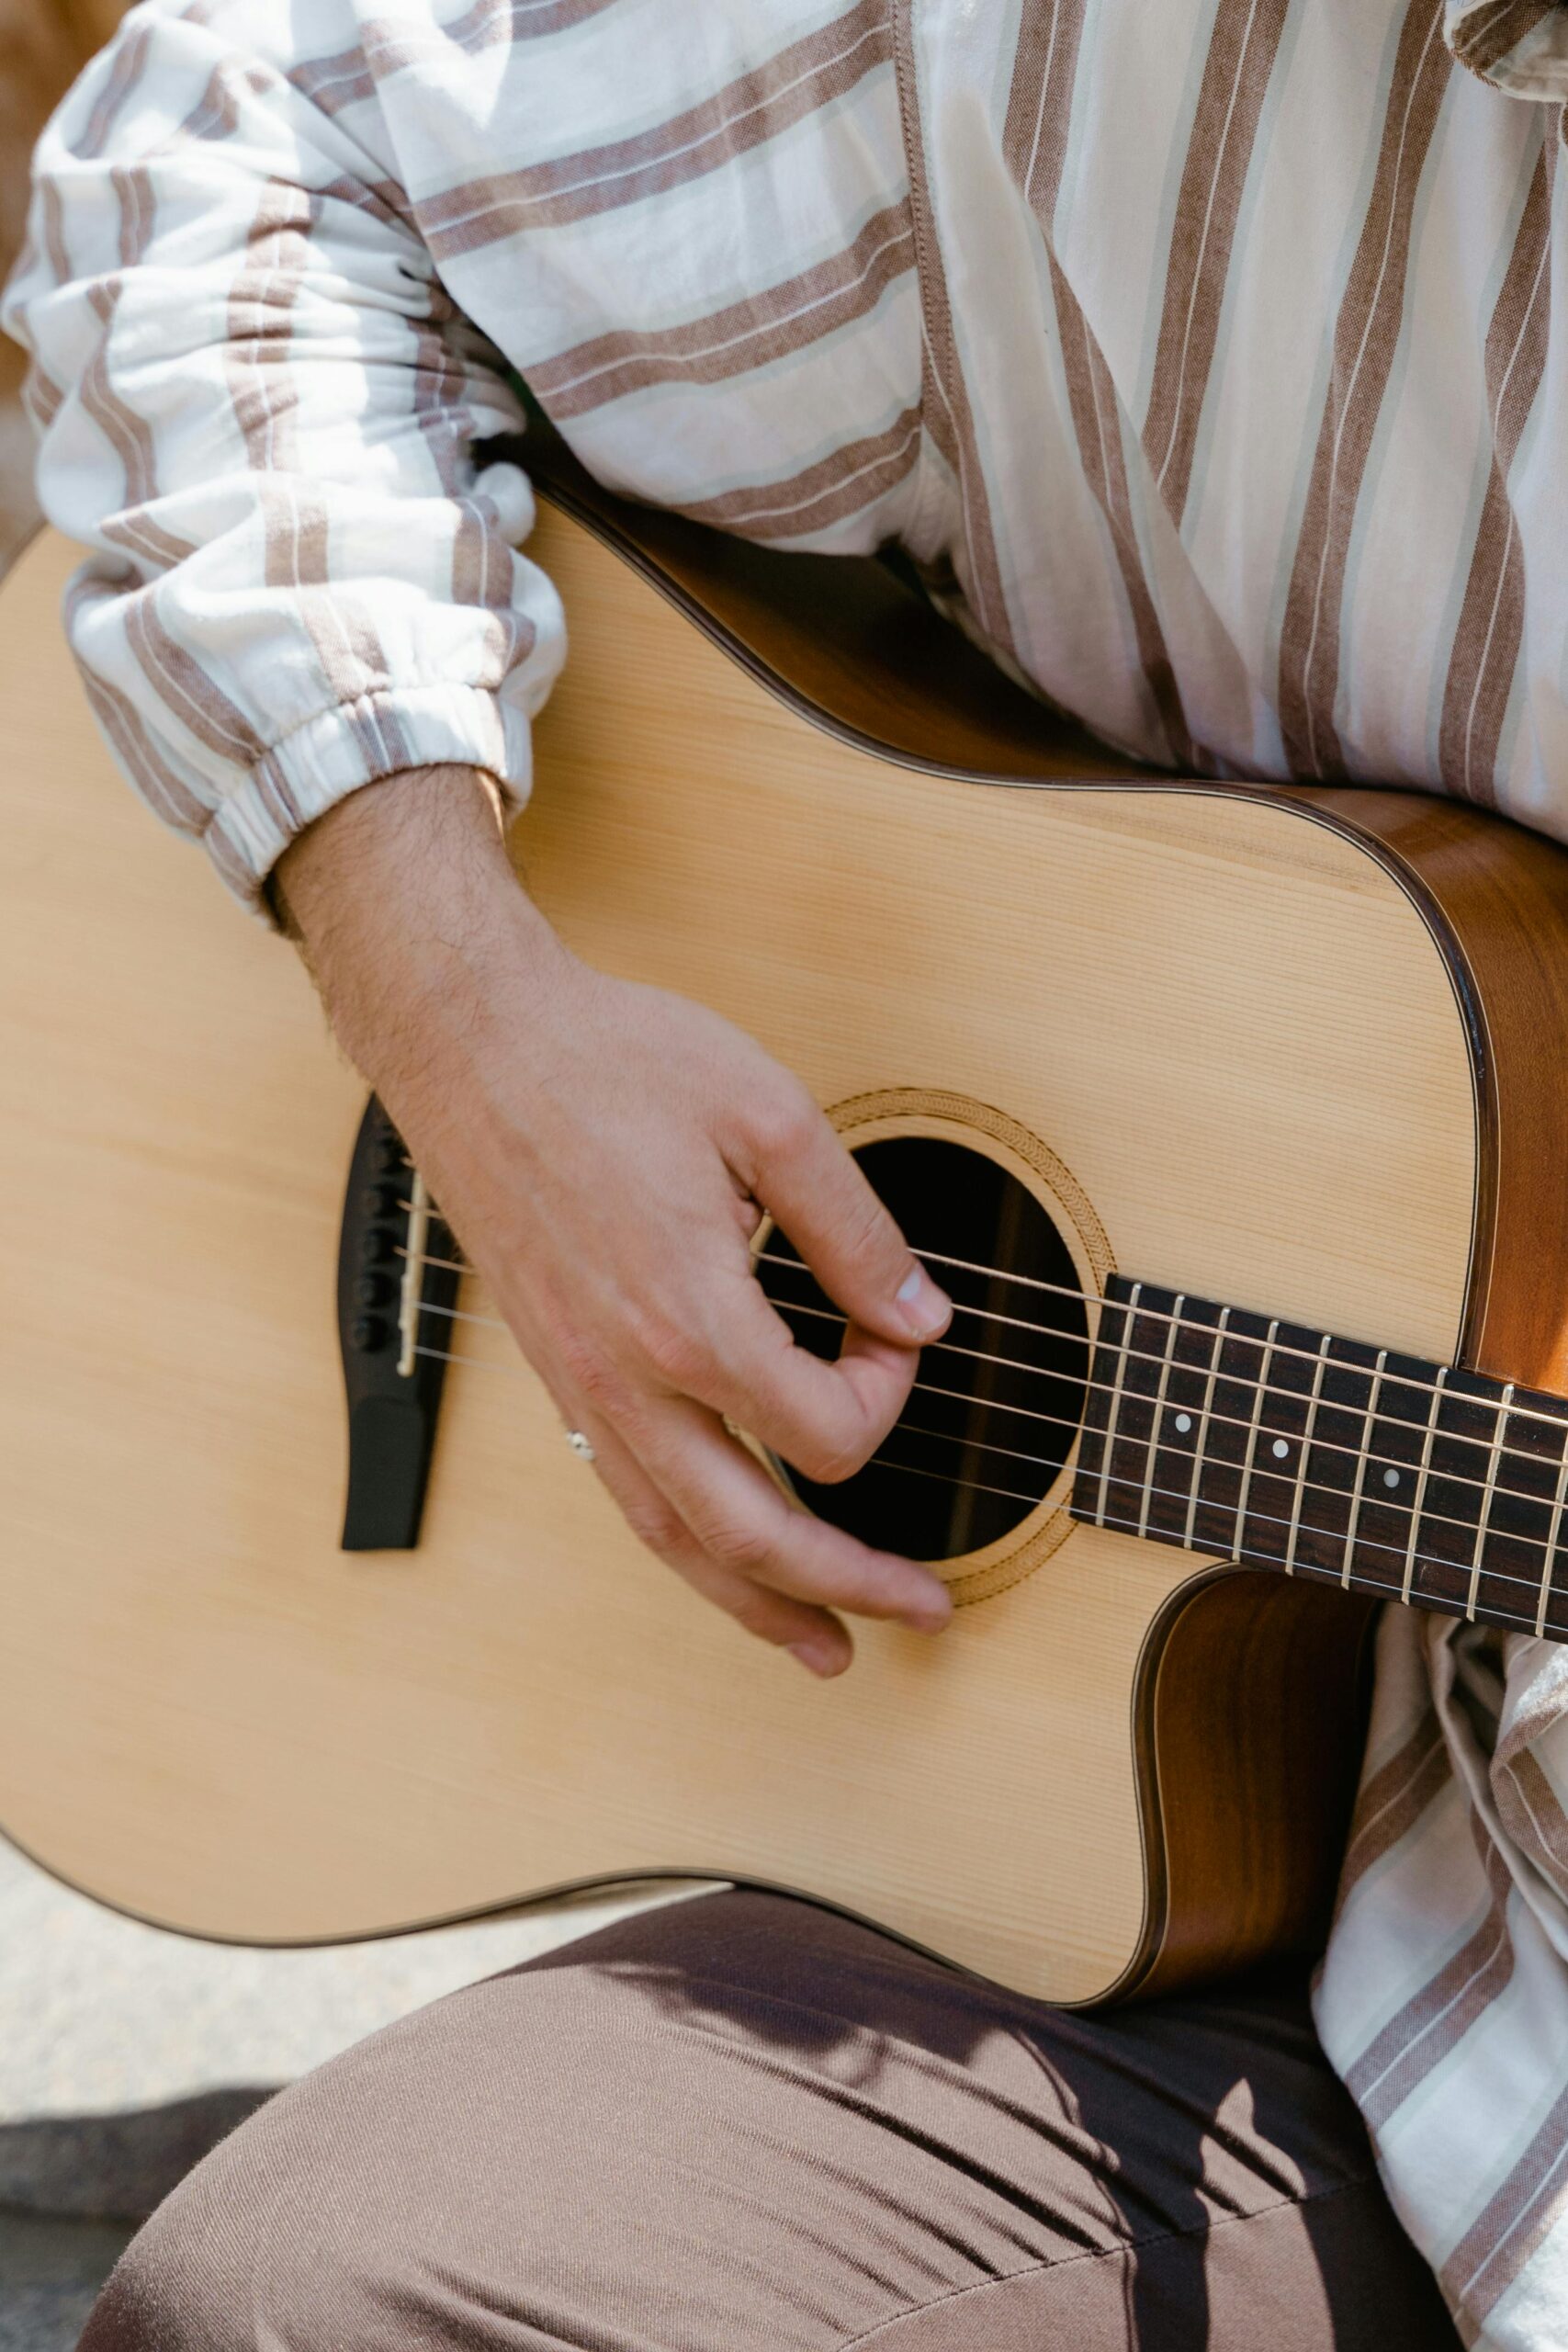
<point>50,2271</point>
<point>125,2053</point>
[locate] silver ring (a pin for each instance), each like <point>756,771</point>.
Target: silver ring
<point>582,1445</point>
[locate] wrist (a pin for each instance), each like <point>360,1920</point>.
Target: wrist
<point>408,915</point>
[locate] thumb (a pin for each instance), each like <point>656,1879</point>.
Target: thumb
<point>811,1186</point>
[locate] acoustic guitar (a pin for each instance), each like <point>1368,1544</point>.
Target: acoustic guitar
<point>1234,1118</point>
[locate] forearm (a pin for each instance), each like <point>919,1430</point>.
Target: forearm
<point>410,919</point>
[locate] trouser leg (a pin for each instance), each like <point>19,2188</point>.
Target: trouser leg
<point>742,2124</point>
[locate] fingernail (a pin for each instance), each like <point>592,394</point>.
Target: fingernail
<point>818,1657</point>
<point>925,1307</point>
<point>935,1619</point>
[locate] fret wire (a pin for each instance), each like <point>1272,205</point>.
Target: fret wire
<point>1558,1500</point>
<point>1143,1355</point>
<point>1306,1447</point>
<point>1486,1501</point>
<point>1261,1386</point>
<point>1114,1413</point>
<point>1160,1411</point>
<point>1174,1494</point>
<point>1421,1478</point>
<point>1362,1458</point>
<point>1202,1437</point>
<point>1369,1583</point>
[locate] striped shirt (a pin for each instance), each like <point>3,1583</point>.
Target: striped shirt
<point>1209,349</point>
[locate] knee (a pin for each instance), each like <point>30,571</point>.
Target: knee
<point>256,2247</point>
<point>186,2283</point>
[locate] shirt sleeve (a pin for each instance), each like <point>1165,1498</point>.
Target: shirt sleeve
<point>258,409</point>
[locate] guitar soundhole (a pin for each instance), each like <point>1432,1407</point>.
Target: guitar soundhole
<point>997,1402</point>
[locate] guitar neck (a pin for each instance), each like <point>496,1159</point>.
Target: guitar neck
<point>1251,1439</point>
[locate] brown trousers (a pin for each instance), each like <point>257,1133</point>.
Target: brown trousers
<point>742,2124</point>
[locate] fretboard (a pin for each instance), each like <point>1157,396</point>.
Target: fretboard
<point>1261,1441</point>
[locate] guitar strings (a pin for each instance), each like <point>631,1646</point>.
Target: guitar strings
<point>1151,1314</point>
<point>1229,1420</point>
<point>1171,1494</point>
<point>1063,1421</point>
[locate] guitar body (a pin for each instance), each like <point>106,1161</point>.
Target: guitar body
<point>1295,1050</point>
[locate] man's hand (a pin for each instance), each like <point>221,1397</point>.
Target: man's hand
<point>606,1152</point>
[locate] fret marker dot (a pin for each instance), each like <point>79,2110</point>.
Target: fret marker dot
<point>1391,1477</point>
<point>1279,1449</point>
<point>1184,1422</point>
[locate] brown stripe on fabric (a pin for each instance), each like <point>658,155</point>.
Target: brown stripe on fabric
<point>261,324</point>
<point>295,519</point>
<point>1366,334</point>
<point>1490,630</point>
<point>42,397</point>
<point>382,199</point>
<point>440,410</point>
<point>203,708</point>
<point>394,197</point>
<point>1501,2241</point>
<point>51,215</point>
<point>1393,1800</point>
<point>216,114</point>
<point>1532,1813</point>
<point>122,723</point>
<point>1034,144</point>
<point>481,553</point>
<point>1425,2029</point>
<point>490,23</point>
<point>821,495</point>
<point>228,861</point>
<point>137,211</point>
<point>751,334</point>
<point>945,408</point>
<point>294,527</point>
<point>276,795</point>
<point>123,76</point>
<point>1243,47</point>
<point>332,84</point>
<point>756,107</point>
<point>1096,424</point>
<point>1483,37</point>
<point>481,575</point>
<point>344,637</point>
<point>1038,108</point>
<point>350,76</point>
<point>131,440</point>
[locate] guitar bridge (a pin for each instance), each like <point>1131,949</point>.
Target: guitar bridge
<point>395,1289</point>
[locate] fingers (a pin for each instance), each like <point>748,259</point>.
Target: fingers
<point>826,1419</point>
<point>742,1524</point>
<point>812,1635</point>
<point>802,1172</point>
